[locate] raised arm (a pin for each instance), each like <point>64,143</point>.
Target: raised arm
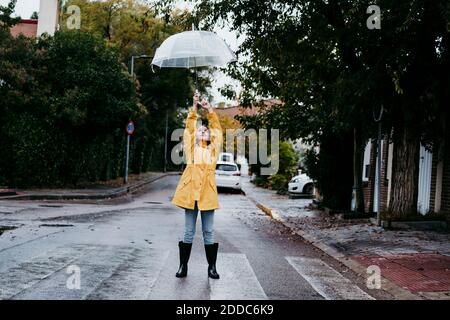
<point>215,133</point>
<point>189,131</point>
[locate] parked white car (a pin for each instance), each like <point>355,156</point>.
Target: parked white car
<point>228,175</point>
<point>301,184</point>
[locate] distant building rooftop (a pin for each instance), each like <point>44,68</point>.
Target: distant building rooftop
<point>238,110</point>
<point>27,27</point>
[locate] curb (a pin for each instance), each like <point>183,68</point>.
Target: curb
<point>115,193</point>
<point>386,284</point>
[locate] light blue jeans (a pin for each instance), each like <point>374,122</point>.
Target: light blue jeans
<point>190,221</point>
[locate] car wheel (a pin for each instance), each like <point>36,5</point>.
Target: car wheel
<point>308,189</point>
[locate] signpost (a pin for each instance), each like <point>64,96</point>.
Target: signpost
<point>130,130</point>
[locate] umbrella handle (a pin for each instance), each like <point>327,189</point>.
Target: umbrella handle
<point>196,78</point>
<point>196,73</point>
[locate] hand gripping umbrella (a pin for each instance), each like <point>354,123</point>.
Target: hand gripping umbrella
<point>193,49</point>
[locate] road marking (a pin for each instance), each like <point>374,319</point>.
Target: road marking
<point>326,281</point>
<point>108,272</point>
<point>237,279</point>
<point>134,278</point>
<point>28,241</point>
<point>20,278</point>
<point>193,287</point>
<point>95,264</point>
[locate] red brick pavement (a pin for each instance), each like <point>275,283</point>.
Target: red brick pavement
<point>419,272</point>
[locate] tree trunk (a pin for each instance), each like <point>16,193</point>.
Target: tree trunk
<point>405,175</point>
<point>336,170</point>
<point>358,159</point>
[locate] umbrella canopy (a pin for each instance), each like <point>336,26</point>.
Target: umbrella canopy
<point>192,49</point>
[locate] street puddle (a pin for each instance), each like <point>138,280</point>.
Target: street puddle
<point>56,225</point>
<point>6,228</point>
<point>51,205</point>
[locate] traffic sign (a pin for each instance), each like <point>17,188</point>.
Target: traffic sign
<point>130,128</point>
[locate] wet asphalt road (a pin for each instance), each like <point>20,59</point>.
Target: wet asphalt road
<point>127,249</point>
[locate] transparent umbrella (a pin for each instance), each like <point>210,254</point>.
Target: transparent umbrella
<point>193,49</point>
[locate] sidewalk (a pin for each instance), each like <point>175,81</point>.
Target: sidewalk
<point>108,190</point>
<point>413,264</point>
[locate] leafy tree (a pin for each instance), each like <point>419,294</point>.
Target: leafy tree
<point>20,92</point>
<point>63,119</point>
<point>6,19</point>
<point>137,28</point>
<point>68,97</point>
<point>91,91</point>
<point>332,73</point>
<point>288,164</point>
<point>231,125</point>
<point>93,97</point>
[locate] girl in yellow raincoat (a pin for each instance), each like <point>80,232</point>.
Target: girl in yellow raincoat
<point>196,190</point>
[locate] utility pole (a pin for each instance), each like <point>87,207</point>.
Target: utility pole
<point>133,59</point>
<point>378,172</point>
<point>130,130</point>
<point>165,140</point>
<point>132,65</point>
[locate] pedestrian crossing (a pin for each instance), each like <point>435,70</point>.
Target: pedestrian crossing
<point>133,278</point>
<point>329,283</point>
<point>108,272</point>
<point>22,277</point>
<point>240,279</point>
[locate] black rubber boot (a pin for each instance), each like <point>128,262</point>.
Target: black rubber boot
<point>211,256</point>
<point>185,252</point>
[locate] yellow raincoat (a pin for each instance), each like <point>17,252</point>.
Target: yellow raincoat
<point>198,182</point>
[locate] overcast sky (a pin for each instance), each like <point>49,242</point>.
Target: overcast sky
<point>25,8</point>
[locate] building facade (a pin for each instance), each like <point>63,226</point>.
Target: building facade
<point>46,24</point>
<point>433,183</point>
<point>48,17</point>
<point>26,27</point>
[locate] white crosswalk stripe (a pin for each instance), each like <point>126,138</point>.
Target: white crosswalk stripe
<point>108,272</point>
<point>134,278</point>
<point>326,281</point>
<point>193,287</point>
<point>126,272</point>
<point>93,266</point>
<point>237,280</point>
<point>22,277</point>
